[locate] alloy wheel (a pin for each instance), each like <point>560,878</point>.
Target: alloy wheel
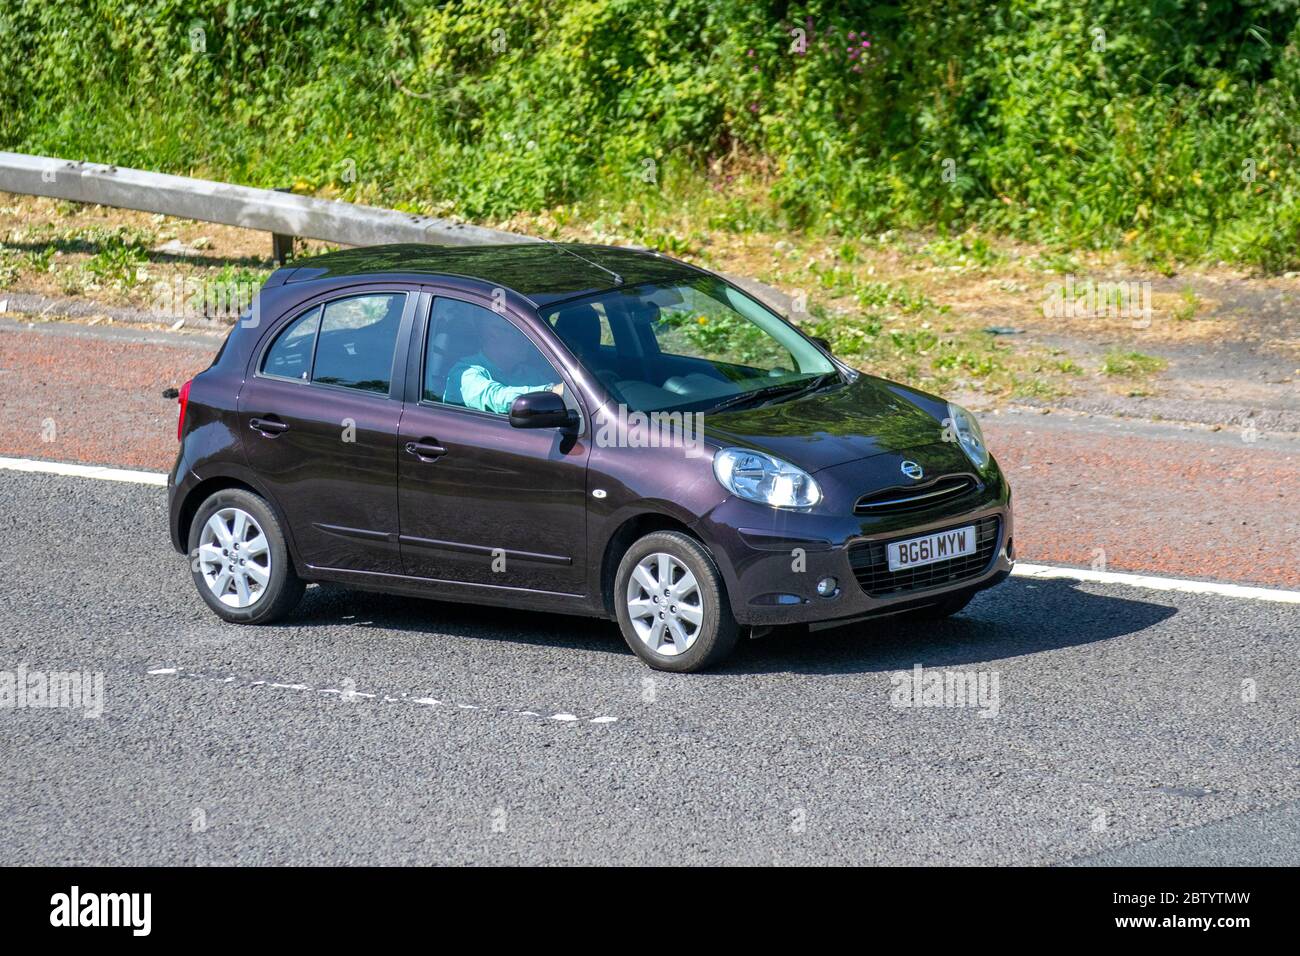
<point>664,604</point>
<point>234,557</point>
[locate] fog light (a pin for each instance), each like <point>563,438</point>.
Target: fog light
<point>827,586</point>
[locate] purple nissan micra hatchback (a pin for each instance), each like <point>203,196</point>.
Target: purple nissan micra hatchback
<point>572,428</point>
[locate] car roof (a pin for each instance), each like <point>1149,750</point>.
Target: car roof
<point>542,272</point>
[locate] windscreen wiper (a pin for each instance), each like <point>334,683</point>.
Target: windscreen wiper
<point>772,391</point>
<point>821,381</point>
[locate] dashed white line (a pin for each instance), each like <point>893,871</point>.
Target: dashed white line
<point>358,695</point>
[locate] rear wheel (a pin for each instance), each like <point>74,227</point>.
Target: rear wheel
<point>240,561</point>
<point>672,605</point>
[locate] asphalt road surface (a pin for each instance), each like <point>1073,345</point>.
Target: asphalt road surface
<point>1128,725</point>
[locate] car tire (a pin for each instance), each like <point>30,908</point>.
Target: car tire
<point>943,608</point>
<point>681,624</point>
<point>271,587</point>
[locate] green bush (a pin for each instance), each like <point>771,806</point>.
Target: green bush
<point>1165,125</point>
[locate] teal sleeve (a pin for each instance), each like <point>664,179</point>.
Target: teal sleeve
<point>479,390</point>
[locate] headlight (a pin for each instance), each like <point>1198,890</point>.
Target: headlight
<point>767,480</point>
<point>966,432</point>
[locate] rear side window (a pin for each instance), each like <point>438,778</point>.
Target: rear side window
<point>290,356</point>
<point>356,341</point>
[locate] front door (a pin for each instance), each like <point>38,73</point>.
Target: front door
<point>483,503</point>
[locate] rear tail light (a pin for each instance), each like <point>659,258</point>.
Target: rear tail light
<point>183,400</point>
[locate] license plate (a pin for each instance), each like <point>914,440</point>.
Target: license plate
<point>940,546</point>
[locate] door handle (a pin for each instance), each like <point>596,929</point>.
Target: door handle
<point>425,450</point>
<point>267,426</point>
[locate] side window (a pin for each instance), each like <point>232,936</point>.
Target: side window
<point>477,359</point>
<point>357,336</point>
<point>290,355</point>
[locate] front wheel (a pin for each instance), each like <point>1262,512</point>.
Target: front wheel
<point>672,605</point>
<point>240,561</point>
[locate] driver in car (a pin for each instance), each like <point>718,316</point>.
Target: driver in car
<point>482,380</point>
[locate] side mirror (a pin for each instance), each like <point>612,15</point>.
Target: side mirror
<point>823,342</point>
<point>542,410</point>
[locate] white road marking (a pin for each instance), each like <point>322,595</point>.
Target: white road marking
<point>428,702</point>
<point>85,471</point>
<point>1152,582</point>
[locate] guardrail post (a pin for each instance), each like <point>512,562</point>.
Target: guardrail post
<point>281,245</point>
<point>281,248</point>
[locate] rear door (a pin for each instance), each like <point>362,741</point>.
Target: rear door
<point>483,503</point>
<point>318,418</point>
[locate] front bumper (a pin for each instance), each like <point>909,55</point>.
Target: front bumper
<point>772,560</point>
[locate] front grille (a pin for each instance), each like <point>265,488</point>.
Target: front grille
<point>871,564</point>
<point>902,500</point>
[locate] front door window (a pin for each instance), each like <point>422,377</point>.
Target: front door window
<point>478,359</point>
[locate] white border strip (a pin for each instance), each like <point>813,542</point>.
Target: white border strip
<point>1157,583</point>
<point>85,471</point>
<point>1021,570</point>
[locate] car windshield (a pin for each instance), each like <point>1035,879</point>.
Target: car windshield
<point>691,345</point>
